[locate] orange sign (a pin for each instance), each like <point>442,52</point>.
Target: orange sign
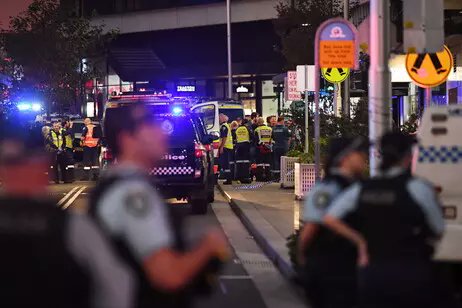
<point>337,54</point>
<point>429,69</point>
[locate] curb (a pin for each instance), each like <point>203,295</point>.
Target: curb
<point>284,267</point>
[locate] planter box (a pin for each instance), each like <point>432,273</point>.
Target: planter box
<point>288,171</point>
<point>304,179</point>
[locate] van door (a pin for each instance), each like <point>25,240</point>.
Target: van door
<point>208,112</point>
<point>439,160</point>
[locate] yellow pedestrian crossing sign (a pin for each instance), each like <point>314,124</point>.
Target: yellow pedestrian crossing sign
<point>335,75</point>
<point>429,69</point>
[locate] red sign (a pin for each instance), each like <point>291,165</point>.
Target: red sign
<point>291,88</point>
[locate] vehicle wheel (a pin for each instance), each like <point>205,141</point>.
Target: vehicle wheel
<point>199,206</point>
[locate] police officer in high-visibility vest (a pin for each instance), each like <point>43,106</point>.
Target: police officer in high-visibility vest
<point>399,220</point>
<point>264,144</point>
<point>90,140</point>
<point>68,134</point>
<point>242,153</point>
<point>57,147</point>
<point>226,150</point>
<point>140,224</point>
<point>328,260</point>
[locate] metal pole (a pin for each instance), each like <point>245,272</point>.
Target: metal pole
<point>379,77</point>
<point>317,152</point>
<point>346,83</point>
<point>230,67</point>
<point>428,97</point>
<point>307,113</point>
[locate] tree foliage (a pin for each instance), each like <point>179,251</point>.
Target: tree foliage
<point>297,23</point>
<point>50,46</point>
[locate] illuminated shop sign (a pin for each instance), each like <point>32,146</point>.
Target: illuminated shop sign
<point>186,88</point>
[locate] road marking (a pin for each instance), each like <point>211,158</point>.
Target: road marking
<point>235,277</point>
<point>66,196</point>
<point>71,200</point>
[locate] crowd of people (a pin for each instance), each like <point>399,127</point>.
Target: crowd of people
<point>252,148</point>
<point>59,142</point>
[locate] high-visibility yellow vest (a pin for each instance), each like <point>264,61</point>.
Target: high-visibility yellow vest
<point>67,140</point>
<point>242,134</point>
<point>229,138</point>
<point>57,139</point>
<point>264,134</point>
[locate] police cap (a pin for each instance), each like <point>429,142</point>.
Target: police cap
<point>125,119</point>
<point>341,147</point>
<point>396,145</point>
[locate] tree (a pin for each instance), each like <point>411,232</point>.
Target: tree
<point>297,23</point>
<point>51,47</point>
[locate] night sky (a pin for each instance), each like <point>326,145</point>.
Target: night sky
<point>11,8</point>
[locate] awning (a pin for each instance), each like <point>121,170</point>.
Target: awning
<point>197,52</point>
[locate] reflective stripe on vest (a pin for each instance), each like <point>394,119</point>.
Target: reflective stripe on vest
<point>264,133</point>
<point>229,138</point>
<point>89,141</point>
<point>57,139</point>
<point>242,134</point>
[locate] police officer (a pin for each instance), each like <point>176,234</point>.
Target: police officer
<point>68,135</point>
<point>264,144</point>
<point>329,261</point>
<point>242,153</point>
<point>50,257</point>
<point>91,136</point>
<point>138,221</point>
<point>226,150</point>
<point>57,147</point>
<point>280,136</point>
<point>399,218</point>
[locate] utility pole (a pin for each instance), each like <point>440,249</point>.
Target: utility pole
<point>307,122</point>
<point>230,65</point>
<point>379,77</point>
<point>346,84</point>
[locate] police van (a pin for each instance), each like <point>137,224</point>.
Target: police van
<point>186,169</point>
<point>210,110</point>
<point>439,160</point>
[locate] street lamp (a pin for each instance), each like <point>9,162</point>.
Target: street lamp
<point>230,67</point>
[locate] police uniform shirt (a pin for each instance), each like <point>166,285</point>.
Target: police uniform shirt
<point>422,193</point>
<point>281,135</point>
<point>318,199</point>
<point>132,210</point>
<point>113,284</point>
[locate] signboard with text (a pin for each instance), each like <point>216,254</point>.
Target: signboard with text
<point>337,45</point>
<point>292,93</point>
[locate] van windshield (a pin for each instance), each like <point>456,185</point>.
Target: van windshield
<point>233,113</point>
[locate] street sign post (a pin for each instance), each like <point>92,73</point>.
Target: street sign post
<point>305,83</point>
<point>336,47</point>
<point>429,70</point>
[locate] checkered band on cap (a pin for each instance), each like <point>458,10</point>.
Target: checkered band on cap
<point>183,170</point>
<point>440,154</point>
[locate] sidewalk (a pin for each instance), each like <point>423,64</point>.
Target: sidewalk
<point>270,214</point>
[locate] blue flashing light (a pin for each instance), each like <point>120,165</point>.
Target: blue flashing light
<point>177,110</point>
<point>36,107</point>
<point>24,107</point>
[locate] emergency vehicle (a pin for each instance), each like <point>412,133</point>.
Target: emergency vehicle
<point>210,110</point>
<point>439,160</point>
<point>186,169</point>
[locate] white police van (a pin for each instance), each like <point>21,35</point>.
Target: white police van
<point>439,160</point>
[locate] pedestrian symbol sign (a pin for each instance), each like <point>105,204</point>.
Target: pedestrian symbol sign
<point>429,69</point>
<point>335,75</point>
